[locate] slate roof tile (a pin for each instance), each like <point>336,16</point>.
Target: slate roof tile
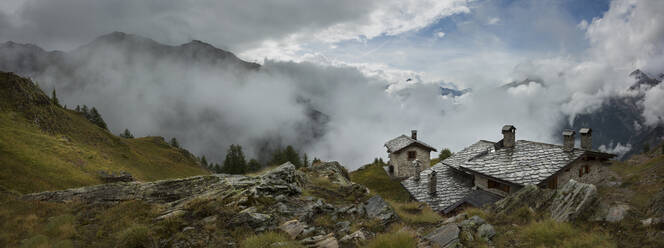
<point>403,141</point>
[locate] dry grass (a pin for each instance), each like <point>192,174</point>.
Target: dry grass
<point>267,240</point>
<point>415,213</point>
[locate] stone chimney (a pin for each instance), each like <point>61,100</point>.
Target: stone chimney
<point>418,168</point>
<point>568,140</point>
<point>433,180</point>
<point>413,134</point>
<point>586,138</point>
<point>509,135</point>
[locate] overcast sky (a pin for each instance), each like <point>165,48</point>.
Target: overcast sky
<point>583,50</point>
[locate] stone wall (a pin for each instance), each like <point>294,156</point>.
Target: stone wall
<point>403,167</point>
<point>483,183</point>
<point>572,172</point>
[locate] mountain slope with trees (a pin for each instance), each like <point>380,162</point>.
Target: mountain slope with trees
<point>44,146</point>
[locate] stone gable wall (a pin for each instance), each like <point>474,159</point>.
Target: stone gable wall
<point>403,167</point>
<point>593,177</point>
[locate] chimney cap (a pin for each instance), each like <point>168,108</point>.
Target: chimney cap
<point>508,128</point>
<point>568,132</point>
<point>585,130</point>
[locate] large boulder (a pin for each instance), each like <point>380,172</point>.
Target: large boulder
<point>283,180</point>
<point>378,209</point>
<point>445,236</point>
<point>573,200</point>
<point>333,171</point>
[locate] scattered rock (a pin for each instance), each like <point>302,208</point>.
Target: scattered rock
<point>616,213</point>
<point>356,237</point>
<point>321,241</point>
<point>210,219</point>
<point>445,236</point>
<point>293,228</point>
<point>457,218</point>
<point>171,214</point>
<point>377,208</point>
<point>486,232</point>
<point>652,221</point>
<point>115,177</point>
<point>342,227</point>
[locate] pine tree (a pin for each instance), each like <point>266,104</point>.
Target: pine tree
<point>78,108</point>
<point>126,134</point>
<point>218,169</point>
<point>95,118</point>
<point>54,97</point>
<point>253,165</point>
<point>235,162</point>
<point>444,153</point>
<point>292,156</point>
<point>175,143</point>
<point>305,160</point>
<point>85,112</point>
<point>204,161</point>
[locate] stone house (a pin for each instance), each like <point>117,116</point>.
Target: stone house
<point>408,155</point>
<point>487,171</point>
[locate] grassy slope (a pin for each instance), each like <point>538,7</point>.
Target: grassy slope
<point>374,177</point>
<point>45,147</point>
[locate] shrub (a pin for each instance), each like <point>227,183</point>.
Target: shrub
<point>135,236</point>
<point>267,239</point>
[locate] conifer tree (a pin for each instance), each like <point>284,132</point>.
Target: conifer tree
<point>78,108</point>
<point>95,118</point>
<point>126,134</point>
<point>235,162</point>
<point>204,161</point>
<point>54,97</point>
<point>305,160</point>
<point>444,153</point>
<point>253,165</point>
<point>174,143</point>
<point>85,112</point>
<point>290,155</point>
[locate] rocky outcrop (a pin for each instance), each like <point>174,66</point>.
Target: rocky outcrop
<point>333,171</point>
<point>656,205</point>
<point>446,236</point>
<point>116,177</point>
<point>378,209</point>
<point>573,200</point>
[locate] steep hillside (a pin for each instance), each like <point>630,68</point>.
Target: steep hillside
<point>45,147</point>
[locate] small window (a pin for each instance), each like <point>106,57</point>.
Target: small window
<point>580,172</point>
<point>587,169</point>
<point>412,155</point>
<point>567,170</point>
<point>496,185</point>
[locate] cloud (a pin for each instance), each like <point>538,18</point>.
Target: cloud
<point>493,21</point>
<point>440,34</point>
<point>63,24</point>
<point>618,149</point>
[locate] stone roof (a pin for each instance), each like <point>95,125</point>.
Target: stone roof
<point>527,163</point>
<point>452,186</point>
<point>585,130</point>
<point>467,153</point>
<point>476,198</point>
<point>403,141</point>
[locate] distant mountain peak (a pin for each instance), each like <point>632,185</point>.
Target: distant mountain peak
<point>642,78</point>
